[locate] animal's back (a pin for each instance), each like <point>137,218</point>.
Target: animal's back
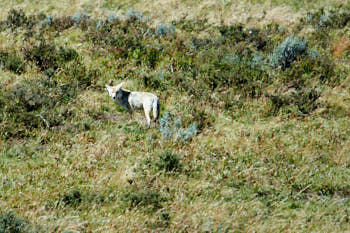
<point>140,100</point>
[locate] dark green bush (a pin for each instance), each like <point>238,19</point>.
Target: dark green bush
<point>48,56</point>
<point>12,62</point>
<point>10,223</point>
<point>32,104</point>
<point>305,100</point>
<point>234,34</point>
<point>127,40</point>
<point>72,199</point>
<point>335,18</point>
<point>62,23</point>
<point>240,76</point>
<point>308,70</point>
<point>77,198</point>
<point>168,162</point>
<point>144,198</point>
<point>191,25</point>
<point>17,18</point>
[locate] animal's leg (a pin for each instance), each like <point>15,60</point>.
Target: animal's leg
<point>147,112</point>
<point>130,113</point>
<point>155,110</point>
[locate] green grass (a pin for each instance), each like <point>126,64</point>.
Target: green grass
<point>255,145</point>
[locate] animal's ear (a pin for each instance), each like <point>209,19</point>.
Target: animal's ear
<point>109,89</point>
<point>120,85</point>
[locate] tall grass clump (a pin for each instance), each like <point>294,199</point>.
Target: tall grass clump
<point>288,51</point>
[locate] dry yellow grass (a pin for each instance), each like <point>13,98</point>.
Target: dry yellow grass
<point>341,47</point>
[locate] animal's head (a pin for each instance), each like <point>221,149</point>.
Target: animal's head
<point>114,91</point>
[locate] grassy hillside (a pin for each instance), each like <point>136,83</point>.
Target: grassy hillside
<point>254,128</point>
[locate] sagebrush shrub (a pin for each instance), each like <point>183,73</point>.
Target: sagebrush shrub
<point>163,30</point>
<point>333,19</point>
<point>172,129</point>
<point>288,51</point>
<point>133,15</point>
<point>80,17</point>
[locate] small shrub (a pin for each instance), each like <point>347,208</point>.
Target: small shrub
<point>48,56</point>
<point>192,25</point>
<point>303,72</point>
<point>17,18</point>
<point>151,199</point>
<point>241,76</point>
<point>172,129</point>
<point>60,24</point>
<point>111,17</point>
<point>333,19</point>
<point>76,198</point>
<point>12,62</point>
<point>133,15</point>
<point>13,224</point>
<point>304,100</point>
<point>44,56</point>
<point>234,34</point>
<point>163,30</point>
<point>80,17</point>
<point>72,199</point>
<point>34,103</point>
<point>288,51</point>
<point>168,162</point>
<point>165,125</point>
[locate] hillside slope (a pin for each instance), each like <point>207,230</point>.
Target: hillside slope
<point>254,128</point>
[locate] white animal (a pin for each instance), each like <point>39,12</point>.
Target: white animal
<point>131,100</point>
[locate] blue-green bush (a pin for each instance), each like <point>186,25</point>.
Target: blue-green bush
<point>80,17</point>
<point>163,30</point>
<point>288,51</point>
<point>172,129</point>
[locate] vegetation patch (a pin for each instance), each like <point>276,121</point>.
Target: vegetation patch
<point>9,222</point>
<point>253,132</point>
<point>150,200</point>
